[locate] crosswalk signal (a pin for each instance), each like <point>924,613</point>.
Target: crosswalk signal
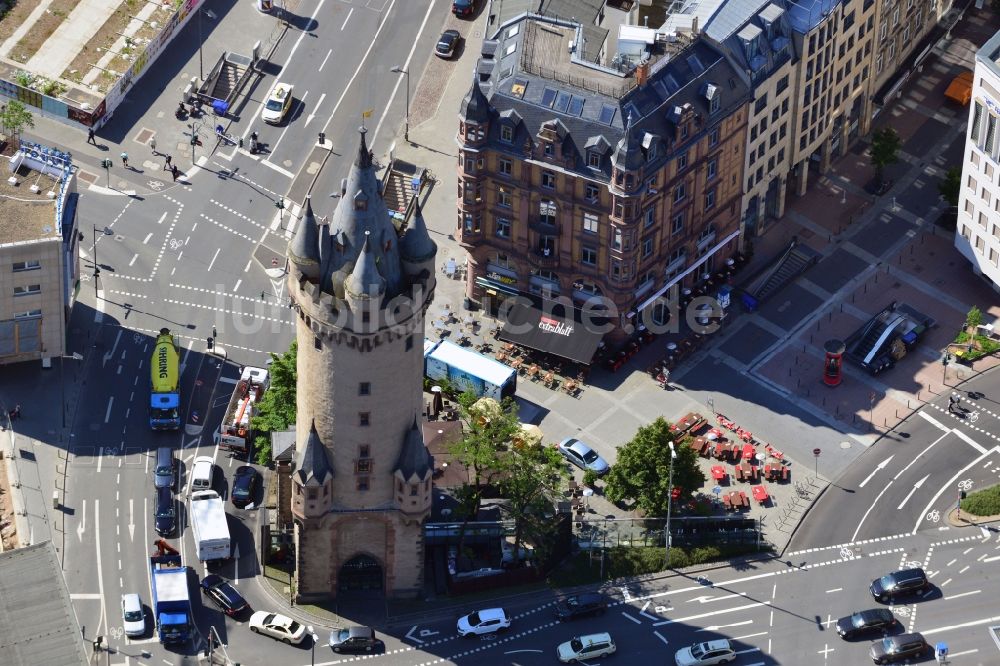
<point>211,343</point>
<point>961,494</point>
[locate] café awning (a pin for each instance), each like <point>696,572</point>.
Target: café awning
<point>554,327</point>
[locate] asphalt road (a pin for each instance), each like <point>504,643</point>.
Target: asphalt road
<point>911,478</point>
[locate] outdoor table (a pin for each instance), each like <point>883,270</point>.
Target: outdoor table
<point>748,452</point>
<point>769,471</point>
<point>727,502</point>
<point>744,500</point>
<point>716,432</point>
<point>718,472</point>
<point>746,471</point>
<point>721,449</point>
<point>517,363</point>
<point>534,370</point>
<point>548,378</point>
<point>699,444</point>
<point>759,493</point>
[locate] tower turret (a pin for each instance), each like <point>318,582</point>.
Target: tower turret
<point>416,247</point>
<point>304,248</point>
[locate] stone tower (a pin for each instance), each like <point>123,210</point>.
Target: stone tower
<point>361,487</point>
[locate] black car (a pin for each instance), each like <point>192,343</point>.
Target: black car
<point>863,622</point>
<point>580,605</point>
<point>165,512</point>
<point>447,43</point>
<point>245,482</point>
<point>224,595</point>
<point>899,583</point>
<point>353,639</point>
<point>463,7</point>
<point>898,648</point>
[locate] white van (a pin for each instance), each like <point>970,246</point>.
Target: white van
<point>201,473</point>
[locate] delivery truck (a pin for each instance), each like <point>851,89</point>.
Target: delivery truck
<point>467,370</point>
<point>208,522</point>
<point>171,596</point>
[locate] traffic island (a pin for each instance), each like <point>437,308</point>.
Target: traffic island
<point>979,508</point>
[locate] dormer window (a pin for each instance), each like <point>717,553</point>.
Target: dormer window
<point>360,202</point>
<point>549,149</point>
<point>507,134</point>
<point>593,159</point>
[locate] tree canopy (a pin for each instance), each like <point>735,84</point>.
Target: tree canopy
<point>884,151</point>
<point>950,186</point>
<point>531,480</point>
<point>276,410</point>
<point>642,472</point>
<point>15,117</point>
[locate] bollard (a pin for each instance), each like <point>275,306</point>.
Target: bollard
<point>55,499</point>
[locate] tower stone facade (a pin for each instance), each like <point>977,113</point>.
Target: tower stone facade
<point>361,487</point>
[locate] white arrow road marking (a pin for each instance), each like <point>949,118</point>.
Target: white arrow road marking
<point>877,469</point>
<point>645,614</point>
<point>131,522</point>
<point>706,598</point>
<point>313,115</point>
<point>718,612</point>
<point>912,490</point>
<point>411,637</point>
<point>83,521</point>
<point>109,354</point>
<point>716,627</point>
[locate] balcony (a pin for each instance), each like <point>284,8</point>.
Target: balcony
<point>544,257</point>
<point>705,240</point>
<point>544,225</point>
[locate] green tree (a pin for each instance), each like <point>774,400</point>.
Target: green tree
<point>489,427</point>
<point>884,151</point>
<point>531,480</point>
<point>973,319</point>
<point>642,472</point>
<point>276,411</point>
<point>950,186</point>
<point>15,118</point>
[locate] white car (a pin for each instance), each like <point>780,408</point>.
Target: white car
<point>277,626</point>
<point>279,101</point>
<point>483,622</point>
<point>133,618</point>
<point>706,654</point>
<point>586,647</point>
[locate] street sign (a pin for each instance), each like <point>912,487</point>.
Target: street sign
<point>717,490</point>
<point>816,452</point>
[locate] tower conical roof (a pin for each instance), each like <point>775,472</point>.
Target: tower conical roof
<point>416,244</point>
<point>475,106</point>
<point>304,248</point>
<point>361,214</point>
<point>312,461</point>
<point>414,459</point>
<point>365,280</point>
<point>628,154</point>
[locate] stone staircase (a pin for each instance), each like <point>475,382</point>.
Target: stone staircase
<point>793,261</point>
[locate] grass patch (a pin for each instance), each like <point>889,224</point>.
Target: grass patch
<point>42,29</point>
<point>984,502</point>
<point>624,562</point>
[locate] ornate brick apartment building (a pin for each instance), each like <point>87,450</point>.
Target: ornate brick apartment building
<point>602,185</point>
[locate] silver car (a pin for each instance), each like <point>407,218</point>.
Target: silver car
<point>582,455</point>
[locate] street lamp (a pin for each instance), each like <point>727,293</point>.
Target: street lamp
<point>406,126</point>
<point>315,638</point>
<point>670,496</point>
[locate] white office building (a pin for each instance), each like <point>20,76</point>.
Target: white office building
<point>978,233</point>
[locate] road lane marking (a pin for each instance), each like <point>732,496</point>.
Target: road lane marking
<point>968,440</point>
<point>934,422</point>
<point>877,469</point>
<point>716,627</point>
<point>214,257</point>
<point>107,414</point>
<point>962,594</point>
<point>963,652</point>
<point>745,636</point>
<point>944,583</point>
<point>710,614</point>
<point>636,620</point>
<point>661,637</point>
<point>912,490</point>
<point>323,64</point>
<point>948,485</point>
<point>992,559</point>
<point>985,532</point>
<point>83,596</point>
<point>836,589</point>
<point>342,26</point>
<point>964,625</point>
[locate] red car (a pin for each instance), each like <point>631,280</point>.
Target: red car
<point>463,7</point>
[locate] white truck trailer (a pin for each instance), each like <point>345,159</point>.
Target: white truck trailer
<point>208,520</point>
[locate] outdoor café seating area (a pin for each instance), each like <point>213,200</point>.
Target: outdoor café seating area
<point>543,368</point>
<point>733,456</point>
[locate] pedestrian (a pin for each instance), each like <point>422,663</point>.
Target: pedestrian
<point>952,402</point>
<point>90,136</point>
<point>152,145</point>
<point>166,162</point>
<point>124,157</point>
<point>173,172</point>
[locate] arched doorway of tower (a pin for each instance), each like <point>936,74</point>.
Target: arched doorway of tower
<point>361,573</point>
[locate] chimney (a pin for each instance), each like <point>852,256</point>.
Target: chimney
<point>642,73</point>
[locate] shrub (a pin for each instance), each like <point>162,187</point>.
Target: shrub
<point>984,502</point>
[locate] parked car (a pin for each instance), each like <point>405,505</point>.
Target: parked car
<point>706,654</point>
<point>581,605</point>
<point>165,512</point>
<point>899,583</point>
<point>582,455</point>
<point>483,622</point>
<point>279,101</point>
<point>447,44</point>
<point>463,7</point>
<point>245,482</point>
<point>225,596</point>
<point>898,647</point>
<point>202,473</point>
<point>586,647</point>
<point>277,626</point>
<point>165,474</point>
<point>133,617</point>
<point>866,621</point>
<point>353,639</point>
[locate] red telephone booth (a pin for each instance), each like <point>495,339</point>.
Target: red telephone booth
<point>832,363</point>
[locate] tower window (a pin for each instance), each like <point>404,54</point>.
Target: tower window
<point>318,344</point>
<point>364,388</point>
<point>409,342</point>
<point>413,489</point>
<point>365,317</point>
<point>364,419</point>
<point>362,483</point>
<point>311,493</point>
<point>363,466</point>
<point>364,451</point>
